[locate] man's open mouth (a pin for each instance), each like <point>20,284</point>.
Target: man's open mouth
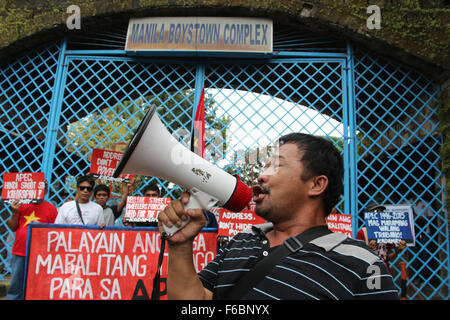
<point>259,192</point>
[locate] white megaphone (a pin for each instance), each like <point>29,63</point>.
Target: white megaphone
<point>153,151</point>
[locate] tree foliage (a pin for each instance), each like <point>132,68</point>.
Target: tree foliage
<point>112,128</point>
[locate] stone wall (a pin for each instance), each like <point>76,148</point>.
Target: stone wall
<point>413,31</point>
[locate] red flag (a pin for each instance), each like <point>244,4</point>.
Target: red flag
<point>198,136</point>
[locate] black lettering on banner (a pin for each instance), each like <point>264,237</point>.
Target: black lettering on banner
<point>163,292</point>
<point>140,291</point>
<point>140,287</point>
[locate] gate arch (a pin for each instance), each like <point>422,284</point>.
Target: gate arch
<point>61,100</point>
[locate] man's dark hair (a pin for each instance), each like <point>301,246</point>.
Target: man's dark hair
<point>89,179</point>
<point>102,187</point>
<point>152,186</point>
<point>320,157</point>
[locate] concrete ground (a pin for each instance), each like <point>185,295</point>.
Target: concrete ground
<point>4,285</point>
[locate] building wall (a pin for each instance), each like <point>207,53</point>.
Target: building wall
<point>415,31</point>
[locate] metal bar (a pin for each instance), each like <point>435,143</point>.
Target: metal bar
<point>352,138</point>
<point>54,113</point>
<point>96,52</point>
<point>310,54</point>
<point>275,54</point>
<point>345,116</point>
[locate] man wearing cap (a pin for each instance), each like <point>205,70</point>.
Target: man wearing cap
<point>299,186</point>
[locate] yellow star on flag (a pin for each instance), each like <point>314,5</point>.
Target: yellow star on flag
<point>31,218</point>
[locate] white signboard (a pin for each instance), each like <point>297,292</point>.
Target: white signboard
<point>199,34</point>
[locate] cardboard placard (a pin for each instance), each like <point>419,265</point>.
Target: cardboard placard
<point>391,225</point>
<point>66,262</point>
<point>144,209</point>
<point>231,223</point>
<point>340,223</point>
<point>29,187</point>
<point>104,163</point>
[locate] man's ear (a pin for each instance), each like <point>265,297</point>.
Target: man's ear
<point>318,185</point>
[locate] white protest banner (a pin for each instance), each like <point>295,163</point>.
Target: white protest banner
<point>144,209</point>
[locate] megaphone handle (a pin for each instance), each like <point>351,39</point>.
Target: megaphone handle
<point>198,200</point>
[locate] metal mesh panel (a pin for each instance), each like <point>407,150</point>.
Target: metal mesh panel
<point>248,105</point>
<point>259,103</point>
<point>398,158</point>
<point>104,101</point>
<point>26,87</point>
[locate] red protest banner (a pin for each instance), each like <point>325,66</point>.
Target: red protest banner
<point>251,206</point>
<point>231,223</point>
<point>27,186</point>
<point>144,209</point>
<point>340,223</point>
<point>104,163</point>
<point>83,263</point>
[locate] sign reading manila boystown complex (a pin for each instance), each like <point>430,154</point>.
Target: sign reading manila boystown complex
<point>199,34</point>
<point>89,263</point>
<point>29,187</point>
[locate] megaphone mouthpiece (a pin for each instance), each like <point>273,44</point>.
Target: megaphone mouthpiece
<point>240,197</point>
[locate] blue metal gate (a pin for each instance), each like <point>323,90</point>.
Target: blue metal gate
<point>398,160</point>
<point>59,103</point>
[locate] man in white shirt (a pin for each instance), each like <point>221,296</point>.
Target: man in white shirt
<point>81,210</point>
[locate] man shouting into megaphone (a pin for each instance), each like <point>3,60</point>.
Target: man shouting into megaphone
<point>294,255</point>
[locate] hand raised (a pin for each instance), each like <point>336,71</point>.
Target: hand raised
<point>174,214</point>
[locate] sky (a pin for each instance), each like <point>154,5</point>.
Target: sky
<point>265,118</point>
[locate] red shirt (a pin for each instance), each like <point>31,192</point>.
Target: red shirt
<point>43,212</point>
<point>382,250</point>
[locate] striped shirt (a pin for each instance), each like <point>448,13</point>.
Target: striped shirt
<point>330,267</point>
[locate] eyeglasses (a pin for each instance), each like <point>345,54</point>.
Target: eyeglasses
<point>85,188</point>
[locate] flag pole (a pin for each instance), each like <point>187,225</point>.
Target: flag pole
<point>198,95</point>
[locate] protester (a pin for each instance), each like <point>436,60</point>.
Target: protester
<point>386,251</point>
<point>153,190</point>
<point>22,216</point>
<point>299,186</point>
<point>113,211</point>
<point>81,210</point>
